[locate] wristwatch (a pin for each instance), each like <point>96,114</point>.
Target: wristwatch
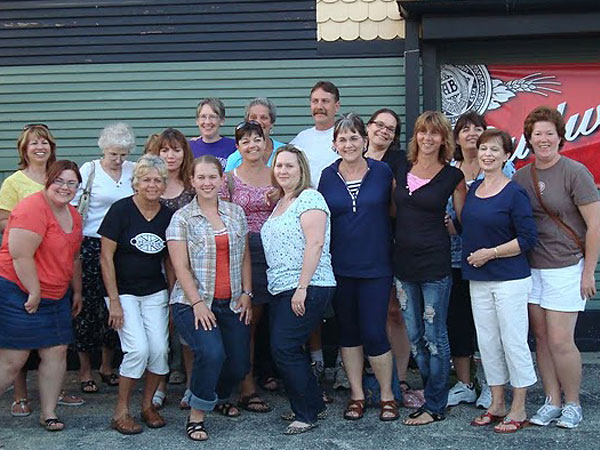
<point>248,293</point>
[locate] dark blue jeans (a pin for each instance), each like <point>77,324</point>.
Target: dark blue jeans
<point>425,317</point>
<point>288,335</point>
<point>221,355</point>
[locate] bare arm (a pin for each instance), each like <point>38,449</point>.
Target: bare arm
<point>245,302</point>
<point>313,224</point>
<point>3,219</point>
<point>458,198</point>
<point>107,253</point>
<point>483,255</point>
<point>591,216</point>
<point>170,272</point>
<point>181,264</point>
<point>76,285</point>
<point>22,245</point>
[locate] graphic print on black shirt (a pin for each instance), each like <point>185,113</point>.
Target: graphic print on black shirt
<point>141,247</point>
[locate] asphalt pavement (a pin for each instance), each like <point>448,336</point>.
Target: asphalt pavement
<point>87,427</point>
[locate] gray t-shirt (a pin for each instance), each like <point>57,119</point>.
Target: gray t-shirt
<point>564,186</point>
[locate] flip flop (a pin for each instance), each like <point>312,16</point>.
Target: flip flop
<point>20,408</point>
<point>419,412</point>
<point>298,429</point>
<point>515,424</point>
<point>65,399</point>
<point>111,379</point>
<point>486,419</point>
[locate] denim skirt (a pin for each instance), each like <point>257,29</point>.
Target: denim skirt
<point>49,326</point>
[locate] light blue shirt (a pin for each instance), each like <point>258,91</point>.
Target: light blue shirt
<point>284,244</point>
<point>235,159</point>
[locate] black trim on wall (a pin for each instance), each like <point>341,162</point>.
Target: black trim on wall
<point>363,49</point>
<point>102,31</point>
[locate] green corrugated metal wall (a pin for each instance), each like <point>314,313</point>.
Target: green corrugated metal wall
<point>76,101</point>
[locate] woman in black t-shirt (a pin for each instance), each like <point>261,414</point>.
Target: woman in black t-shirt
<point>132,252</point>
<point>424,182</point>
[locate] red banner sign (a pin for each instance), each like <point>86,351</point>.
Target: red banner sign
<point>506,94</point>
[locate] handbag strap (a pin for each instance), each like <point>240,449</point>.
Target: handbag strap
<point>230,184</point>
<point>557,220</point>
<point>90,180</point>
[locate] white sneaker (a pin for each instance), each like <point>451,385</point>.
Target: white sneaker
<point>571,416</point>
<point>547,413</point>
<point>461,393</point>
<point>484,400</point>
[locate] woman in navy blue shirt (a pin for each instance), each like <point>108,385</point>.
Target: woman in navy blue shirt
<point>357,191</point>
<point>498,229</point>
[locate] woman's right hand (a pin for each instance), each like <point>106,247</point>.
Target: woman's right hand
<point>32,303</point>
<point>115,315</point>
<point>450,225</point>
<point>204,316</point>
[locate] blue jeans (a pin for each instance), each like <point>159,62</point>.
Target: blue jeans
<point>288,335</point>
<point>425,316</point>
<point>221,355</point>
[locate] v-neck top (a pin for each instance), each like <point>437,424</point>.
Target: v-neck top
<point>422,247</point>
<point>141,246</point>
<point>54,256</point>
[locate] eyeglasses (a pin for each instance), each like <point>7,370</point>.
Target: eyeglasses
<point>245,123</point>
<point>382,126</point>
<point>208,117</point>
<point>35,125</point>
<point>61,183</point>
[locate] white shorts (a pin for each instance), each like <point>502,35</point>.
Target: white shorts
<point>558,289</point>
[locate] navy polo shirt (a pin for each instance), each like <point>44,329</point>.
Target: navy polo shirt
<point>361,234</point>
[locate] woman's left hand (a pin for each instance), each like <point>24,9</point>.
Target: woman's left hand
<point>297,302</point>
<point>245,307</point>
<point>588,286</point>
<point>77,304</point>
<point>480,257</point>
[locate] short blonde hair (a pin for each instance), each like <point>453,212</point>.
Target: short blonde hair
<point>436,122</point>
<point>145,164</point>
<point>304,182</point>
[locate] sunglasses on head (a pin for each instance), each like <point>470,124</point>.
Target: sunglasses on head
<point>29,126</point>
<point>245,123</point>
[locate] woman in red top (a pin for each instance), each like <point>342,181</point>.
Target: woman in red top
<point>39,259</point>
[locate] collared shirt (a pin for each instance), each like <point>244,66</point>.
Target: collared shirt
<point>189,224</point>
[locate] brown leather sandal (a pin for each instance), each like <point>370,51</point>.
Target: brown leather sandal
<point>152,418</point>
<point>389,411</point>
<point>355,410</point>
<point>126,425</point>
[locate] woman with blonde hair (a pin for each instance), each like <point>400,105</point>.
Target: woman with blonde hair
<point>133,250</point>
<point>422,253</point>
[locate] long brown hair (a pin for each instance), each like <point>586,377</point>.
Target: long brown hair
<point>173,138</point>
<point>436,122</point>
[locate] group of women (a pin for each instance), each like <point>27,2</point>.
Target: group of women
<point>231,264</point>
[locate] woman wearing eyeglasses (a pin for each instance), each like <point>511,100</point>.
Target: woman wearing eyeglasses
<point>383,129</point>
<point>37,152</point>
<point>248,186</point>
<point>108,179</point>
<point>210,117</point>
<point>39,260</point>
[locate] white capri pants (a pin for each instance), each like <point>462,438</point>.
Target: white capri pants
<point>145,334</point>
<point>502,324</point>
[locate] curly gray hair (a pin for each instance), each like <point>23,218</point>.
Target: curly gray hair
<point>117,134</point>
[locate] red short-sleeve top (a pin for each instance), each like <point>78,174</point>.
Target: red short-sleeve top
<point>54,257</point>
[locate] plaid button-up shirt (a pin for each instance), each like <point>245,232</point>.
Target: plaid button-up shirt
<point>189,224</point>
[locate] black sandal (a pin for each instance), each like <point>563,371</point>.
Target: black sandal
<point>227,410</point>
<point>53,424</point>
<point>111,379</point>
<point>419,412</point>
<point>270,384</point>
<point>195,427</point>
<point>254,403</point>
<point>89,387</point>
